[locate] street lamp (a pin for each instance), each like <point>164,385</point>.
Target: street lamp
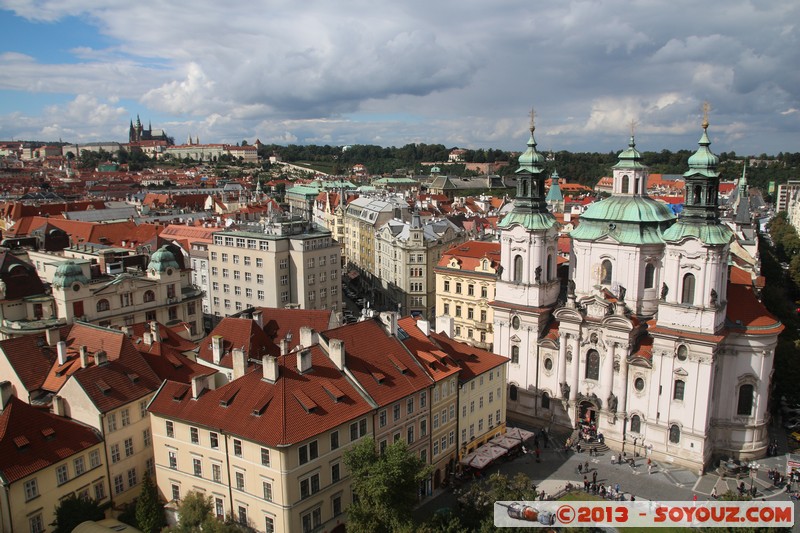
<point>753,475</point>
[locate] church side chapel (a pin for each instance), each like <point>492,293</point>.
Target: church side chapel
<point>655,341</point>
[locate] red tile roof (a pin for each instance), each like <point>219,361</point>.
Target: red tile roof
<point>280,322</point>
<point>368,348</point>
<point>473,361</point>
<point>110,233</point>
<point>470,253</point>
<point>20,278</point>
<point>32,439</point>
<point>241,333</point>
<point>270,414</point>
<point>435,362</point>
<point>166,357</point>
<point>748,315</point>
<point>31,358</point>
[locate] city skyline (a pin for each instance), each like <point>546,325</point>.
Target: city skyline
<point>394,74</point>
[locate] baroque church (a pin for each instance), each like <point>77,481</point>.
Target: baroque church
<point>655,338</point>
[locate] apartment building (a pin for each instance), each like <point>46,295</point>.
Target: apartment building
<point>362,218</point>
<point>43,459</point>
<point>25,306</point>
<point>329,209</point>
<point>107,385</point>
<point>785,193</point>
<point>481,393</point>
<point>269,446</point>
<point>466,276</point>
<point>293,265</point>
<point>406,254</point>
<point>444,401</point>
<point>162,293</point>
<point>397,385</point>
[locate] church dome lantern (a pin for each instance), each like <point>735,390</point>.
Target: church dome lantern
<point>162,260</point>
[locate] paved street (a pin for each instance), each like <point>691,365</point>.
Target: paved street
<point>667,482</point>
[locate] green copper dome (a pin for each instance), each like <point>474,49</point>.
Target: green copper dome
<point>627,219</point>
<point>703,161</point>
<point>531,160</point>
<point>68,273</point>
<point>162,259</point>
<point>630,158</point>
<point>530,221</point>
<point>710,234</point>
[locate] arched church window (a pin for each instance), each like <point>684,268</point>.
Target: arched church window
<point>687,293</point>
<point>636,186</point>
<point>745,404</point>
<point>697,194</point>
<point>524,184</point>
<point>606,271</point>
<point>545,401</point>
<point>512,392</point>
<point>549,273</point>
<point>103,305</point>
<point>674,433</point>
<point>636,424</point>
<point>625,181</point>
<point>515,355</point>
<point>683,352</point>
<point>515,322</point>
<point>679,390</point>
<point>592,365</point>
<point>149,296</point>
<point>517,269</point>
<point>649,276</point>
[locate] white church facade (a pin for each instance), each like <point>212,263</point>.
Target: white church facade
<point>655,338</point>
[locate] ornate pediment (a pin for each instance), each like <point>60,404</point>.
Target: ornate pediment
<point>515,338</point>
<point>681,372</point>
<point>597,308</point>
<point>591,398</point>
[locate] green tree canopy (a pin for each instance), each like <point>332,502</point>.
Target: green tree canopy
<point>149,511</point>
<point>73,510</point>
<point>386,486</point>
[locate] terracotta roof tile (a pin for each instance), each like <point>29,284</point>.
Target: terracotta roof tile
<point>748,315</point>
<point>368,348</point>
<point>435,362</point>
<point>293,409</point>
<point>238,333</point>
<point>470,253</point>
<point>32,439</point>
<point>280,322</point>
<point>31,358</point>
<point>473,361</point>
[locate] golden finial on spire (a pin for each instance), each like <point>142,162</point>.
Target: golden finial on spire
<point>533,119</point>
<point>706,109</point>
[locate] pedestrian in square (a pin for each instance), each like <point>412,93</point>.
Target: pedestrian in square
<point>594,476</point>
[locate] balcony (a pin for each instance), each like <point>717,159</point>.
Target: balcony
<point>483,326</point>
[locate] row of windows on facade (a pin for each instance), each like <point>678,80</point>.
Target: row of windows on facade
<point>79,467</point>
<point>36,521</point>
<point>238,305</point>
<point>283,279</point>
<point>126,299</point>
<point>306,452</point>
<point>470,312</point>
<point>687,286</point>
<point>127,446</point>
<point>744,405</point>
<point>263,244</point>
<point>310,520</point>
<point>246,260</point>
<point>470,288</point>
<point>125,416</point>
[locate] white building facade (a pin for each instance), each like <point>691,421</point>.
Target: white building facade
<point>648,340</point>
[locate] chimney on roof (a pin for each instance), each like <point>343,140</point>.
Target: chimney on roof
<point>100,357</point>
<point>198,386</point>
<point>285,345</point>
<point>61,348</point>
<point>444,324</point>
<point>424,326</point>
<point>52,336</point>
<point>147,337</point>
<point>259,317</point>
<point>389,321</point>
<point>308,337</point>
<point>155,331</point>
<point>126,330</point>
<point>304,360</point>
<point>84,357</point>
<point>58,406</point>
<point>270,368</point>
<point>217,343</point>
<point>239,363</point>
<point>336,352</point>
<point>6,392</point>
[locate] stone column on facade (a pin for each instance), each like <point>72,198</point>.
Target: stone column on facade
<point>562,362</point>
<point>607,385</point>
<point>623,381</point>
<point>574,375</point>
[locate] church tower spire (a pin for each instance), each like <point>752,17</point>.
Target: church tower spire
<point>694,290</point>
<point>530,179</point>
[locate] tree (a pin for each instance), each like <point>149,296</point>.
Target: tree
<point>195,515</point>
<point>476,504</point>
<point>149,511</point>
<point>74,510</point>
<point>385,486</point>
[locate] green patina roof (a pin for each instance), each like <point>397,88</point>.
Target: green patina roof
<point>162,259</point>
<point>627,219</point>
<point>706,233</point>
<point>531,160</point>
<point>554,194</point>
<point>68,273</point>
<point>703,161</point>
<point>531,221</point>
<point>630,158</point>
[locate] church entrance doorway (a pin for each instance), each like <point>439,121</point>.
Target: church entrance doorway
<point>587,413</point>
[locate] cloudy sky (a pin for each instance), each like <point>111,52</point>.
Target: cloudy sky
<point>462,74</point>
